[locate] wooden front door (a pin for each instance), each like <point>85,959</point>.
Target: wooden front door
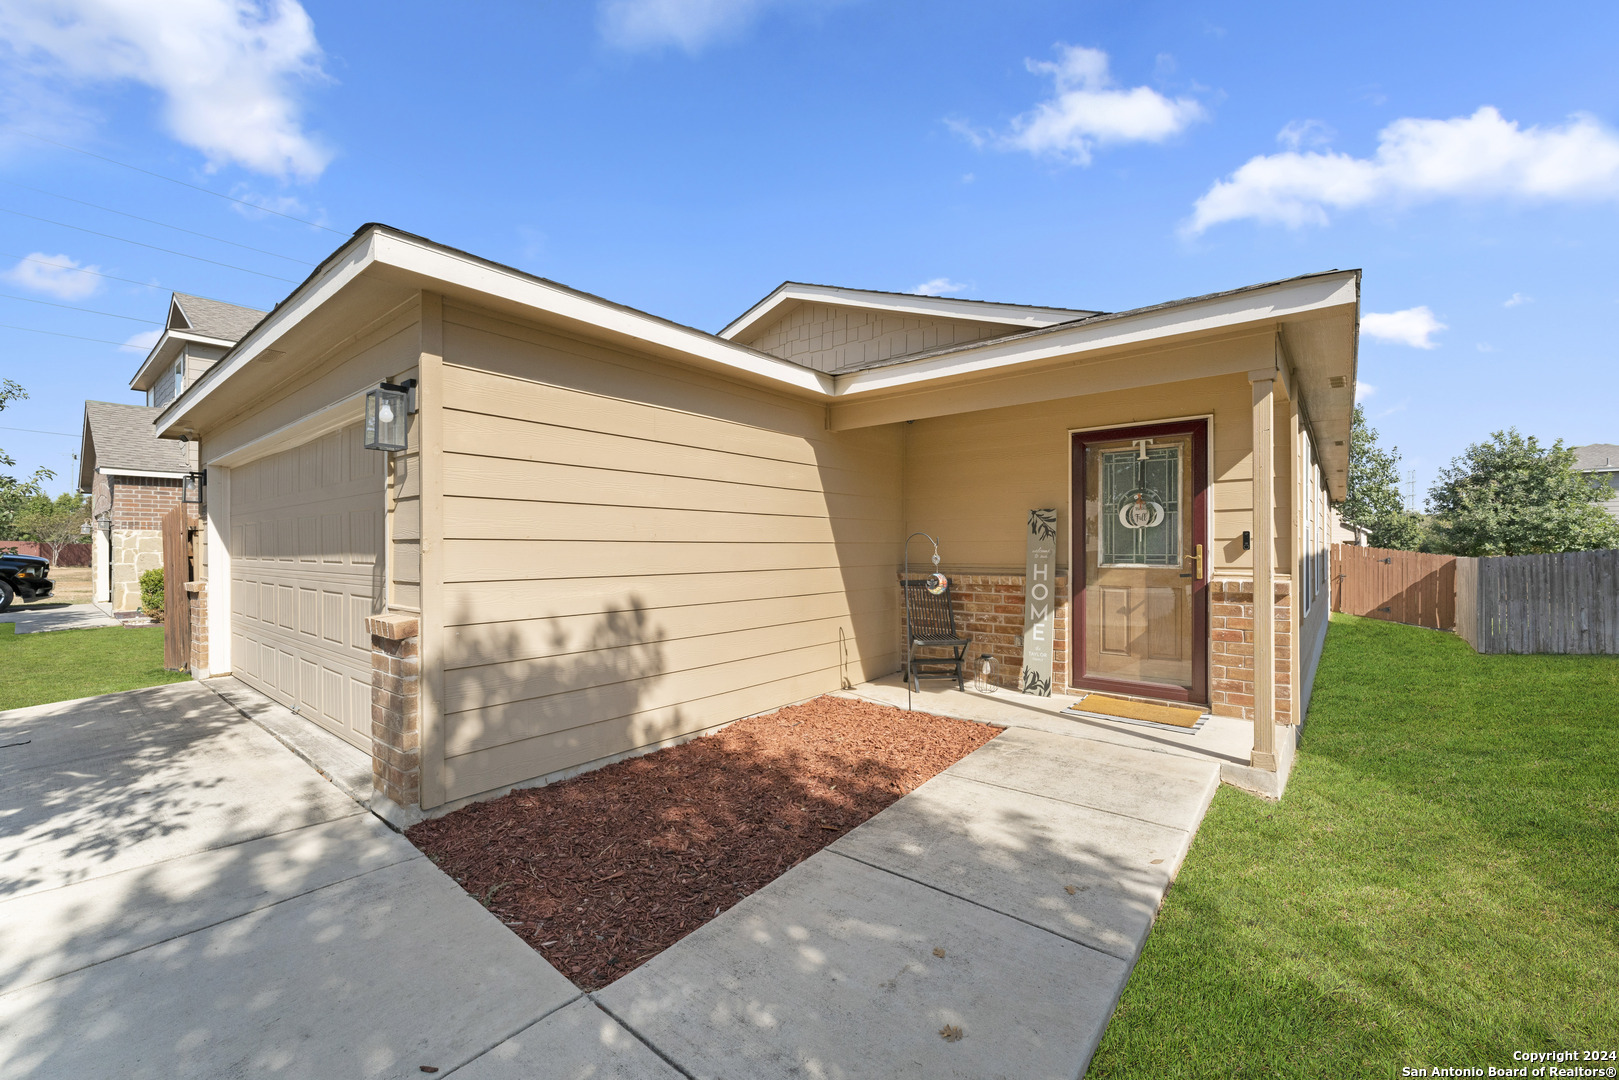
<point>1140,507</point>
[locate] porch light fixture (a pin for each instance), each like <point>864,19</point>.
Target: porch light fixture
<point>192,488</point>
<point>387,409</point>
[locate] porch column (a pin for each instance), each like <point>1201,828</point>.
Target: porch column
<point>1264,556</point>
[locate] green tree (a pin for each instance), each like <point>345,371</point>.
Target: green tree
<point>1513,496</point>
<point>15,492</point>
<point>1374,501</point>
<point>55,522</point>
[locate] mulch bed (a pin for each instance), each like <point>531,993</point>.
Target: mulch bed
<point>603,872</point>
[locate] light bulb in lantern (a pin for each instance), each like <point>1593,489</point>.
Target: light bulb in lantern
<point>386,413</point>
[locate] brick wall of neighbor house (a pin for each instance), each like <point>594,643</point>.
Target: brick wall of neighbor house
<point>395,724</point>
<point>1231,671</point>
<point>138,506</point>
<point>989,609</point>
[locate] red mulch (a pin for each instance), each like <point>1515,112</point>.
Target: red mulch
<point>603,872</point>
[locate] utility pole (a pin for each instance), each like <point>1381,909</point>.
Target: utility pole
<point>1411,492</point>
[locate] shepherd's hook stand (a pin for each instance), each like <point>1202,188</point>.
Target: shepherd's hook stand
<point>907,577</point>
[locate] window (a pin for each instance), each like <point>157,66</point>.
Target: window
<point>1309,525</point>
<point>1140,519</point>
<point>179,376</point>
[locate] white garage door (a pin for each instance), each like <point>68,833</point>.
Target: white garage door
<point>306,533</point>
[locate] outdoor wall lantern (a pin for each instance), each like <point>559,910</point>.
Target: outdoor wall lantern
<point>194,486</point>
<point>387,411</point>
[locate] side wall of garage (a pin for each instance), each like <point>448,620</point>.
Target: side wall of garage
<point>635,551</point>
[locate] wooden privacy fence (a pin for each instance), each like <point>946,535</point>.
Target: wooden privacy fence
<point>1397,586</point>
<point>176,604</point>
<point>1566,603</point>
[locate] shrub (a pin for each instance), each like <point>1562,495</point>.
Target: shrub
<point>152,593</point>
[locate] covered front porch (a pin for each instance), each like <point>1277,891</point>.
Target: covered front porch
<point>1225,740</point>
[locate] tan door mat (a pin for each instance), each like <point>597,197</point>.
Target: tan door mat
<point>1185,716</point>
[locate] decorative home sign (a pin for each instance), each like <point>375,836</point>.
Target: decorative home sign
<point>1039,601</point>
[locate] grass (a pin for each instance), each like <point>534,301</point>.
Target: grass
<point>1440,886</point>
<point>64,664</point>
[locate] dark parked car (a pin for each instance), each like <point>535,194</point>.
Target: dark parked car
<point>24,576</point>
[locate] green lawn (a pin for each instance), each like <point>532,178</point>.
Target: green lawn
<point>65,664</point>
<point>1439,887</point>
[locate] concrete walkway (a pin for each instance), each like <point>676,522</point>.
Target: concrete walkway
<point>182,896</point>
<point>1008,898</point>
<point>31,620</point>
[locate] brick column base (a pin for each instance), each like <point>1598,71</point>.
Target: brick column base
<point>395,731</point>
<point>1231,677</point>
<point>197,600</point>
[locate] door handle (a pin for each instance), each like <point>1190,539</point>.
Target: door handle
<point>1198,560</point>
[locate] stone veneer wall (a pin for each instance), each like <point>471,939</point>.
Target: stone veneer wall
<point>1231,671</point>
<point>138,506</point>
<point>395,712</point>
<point>989,609</point>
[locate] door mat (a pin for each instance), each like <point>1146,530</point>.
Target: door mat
<point>1184,717</point>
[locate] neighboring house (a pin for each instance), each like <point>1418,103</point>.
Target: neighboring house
<point>609,531</point>
<point>1601,460</point>
<point>132,477</point>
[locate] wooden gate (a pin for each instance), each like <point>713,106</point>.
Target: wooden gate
<point>1397,586</point>
<point>176,602</point>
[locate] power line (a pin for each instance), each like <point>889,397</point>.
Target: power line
<point>36,431</point>
<point>58,333</point>
<point>81,270</point>
<point>72,307</point>
<point>172,180</point>
<point>141,243</point>
<point>163,224</point>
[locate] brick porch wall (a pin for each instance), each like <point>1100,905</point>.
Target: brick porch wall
<point>1231,671</point>
<point>395,713</point>
<point>989,609</point>
<point>197,597</point>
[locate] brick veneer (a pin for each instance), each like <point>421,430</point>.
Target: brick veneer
<point>1231,672</point>
<point>395,712</point>
<point>197,599</point>
<point>989,609</point>
<point>139,502</point>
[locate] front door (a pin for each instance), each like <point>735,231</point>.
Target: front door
<point>1140,587</point>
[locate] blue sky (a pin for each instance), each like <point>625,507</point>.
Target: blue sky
<point>685,156</point>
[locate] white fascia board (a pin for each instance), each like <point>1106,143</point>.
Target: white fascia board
<point>1024,315</point>
<point>157,473</point>
<point>346,266</point>
<point>161,349</point>
<point>491,280</point>
<point>1259,306</point>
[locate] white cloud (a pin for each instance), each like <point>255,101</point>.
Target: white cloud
<point>1088,110</point>
<point>939,286</point>
<point>142,342</point>
<point>638,25</point>
<point>1516,299</point>
<point>1304,133</point>
<point>1485,346</point>
<point>229,72</point>
<point>1363,391</point>
<point>1413,326</point>
<point>1479,156</point>
<point>55,275</point>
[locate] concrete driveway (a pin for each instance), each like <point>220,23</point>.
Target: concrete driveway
<point>181,896</point>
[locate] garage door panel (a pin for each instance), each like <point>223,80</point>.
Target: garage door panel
<point>308,574</point>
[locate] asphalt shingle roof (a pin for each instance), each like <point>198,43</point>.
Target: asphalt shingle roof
<point>1596,456</point>
<point>215,318</point>
<point>123,438</point>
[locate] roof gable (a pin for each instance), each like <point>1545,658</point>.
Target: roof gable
<point>119,437</point>
<point>1016,316</point>
<point>211,318</point>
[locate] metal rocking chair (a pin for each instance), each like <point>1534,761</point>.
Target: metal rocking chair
<point>930,623</point>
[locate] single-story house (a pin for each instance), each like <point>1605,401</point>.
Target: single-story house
<point>607,531</point>
<point>1600,461</point>
<point>133,477</point>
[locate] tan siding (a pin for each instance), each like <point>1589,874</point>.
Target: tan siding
<point>635,552</point>
<point>827,337</point>
<point>971,478</point>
